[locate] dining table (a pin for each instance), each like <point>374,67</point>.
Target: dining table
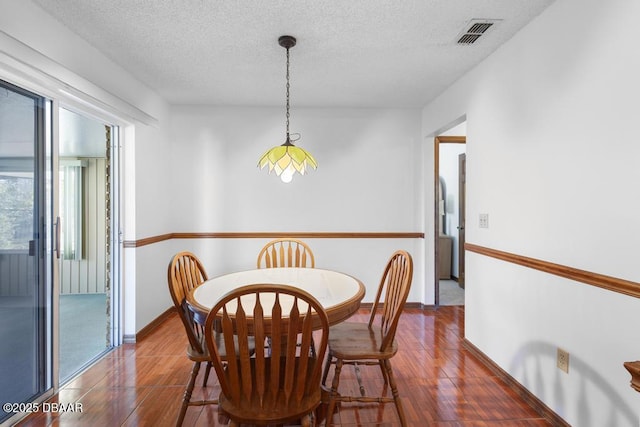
<point>339,294</point>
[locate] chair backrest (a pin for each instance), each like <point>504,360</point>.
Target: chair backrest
<point>277,379</point>
<point>286,253</point>
<point>395,284</point>
<point>186,272</point>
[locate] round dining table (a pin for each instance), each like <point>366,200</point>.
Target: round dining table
<point>339,294</point>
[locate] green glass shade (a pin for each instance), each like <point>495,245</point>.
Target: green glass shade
<point>286,159</point>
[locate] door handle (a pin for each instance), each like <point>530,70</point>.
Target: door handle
<point>57,232</point>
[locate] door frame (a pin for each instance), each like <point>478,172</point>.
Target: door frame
<point>462,216</point>
<point>436,206</point>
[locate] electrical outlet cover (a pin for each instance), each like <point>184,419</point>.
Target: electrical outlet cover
<point>563,360</point>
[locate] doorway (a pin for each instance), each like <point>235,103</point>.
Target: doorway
<point>85,215</point>
<point>449,208</point>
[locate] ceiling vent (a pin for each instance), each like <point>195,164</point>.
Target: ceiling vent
<point>475,29</point>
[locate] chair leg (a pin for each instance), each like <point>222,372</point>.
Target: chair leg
<point>394,391</point>
<point>384,372</point>
<point>187,393</point>
<point>334,391</point>
<point>206,374</point>
<point>327,365</point>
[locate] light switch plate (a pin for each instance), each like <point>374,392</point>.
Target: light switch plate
<point>484,220</point>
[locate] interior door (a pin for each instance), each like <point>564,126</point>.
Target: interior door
<point>24,218</point>
<point>462,180</point>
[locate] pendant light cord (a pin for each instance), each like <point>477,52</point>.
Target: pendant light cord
<point>288,95</point>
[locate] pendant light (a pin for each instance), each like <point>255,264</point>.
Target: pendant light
<point>287,159</point>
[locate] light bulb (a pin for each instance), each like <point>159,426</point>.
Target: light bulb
<point>287,175</point>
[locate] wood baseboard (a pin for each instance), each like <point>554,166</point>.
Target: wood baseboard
<point>518,388</point>
<point>154,323</point>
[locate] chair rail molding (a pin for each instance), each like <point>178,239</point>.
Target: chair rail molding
<point>610,283</point>
<point>274,235</point>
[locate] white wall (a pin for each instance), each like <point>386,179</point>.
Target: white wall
<point>151,183</point>
<point>368,180</point>
<point>552,160</point>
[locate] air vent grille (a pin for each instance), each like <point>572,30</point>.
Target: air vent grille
<point>480,28</point>
<point>474,29</point>
<point>469,38</point>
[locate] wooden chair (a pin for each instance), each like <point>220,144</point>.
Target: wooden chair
<point>276,386</point>
<point>185,273</point>
<point>372,343</point>
<point>286,253</point>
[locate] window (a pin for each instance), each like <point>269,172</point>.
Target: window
<point>16,211</point>
<point>71,209</point>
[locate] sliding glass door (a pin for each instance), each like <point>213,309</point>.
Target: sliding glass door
<point>25,296</point>
<point>59,280</point>
<point>85,215</point>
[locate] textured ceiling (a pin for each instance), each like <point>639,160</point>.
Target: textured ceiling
<point>350,53</point>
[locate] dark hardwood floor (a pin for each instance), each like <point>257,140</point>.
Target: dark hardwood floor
<point>440,382</point>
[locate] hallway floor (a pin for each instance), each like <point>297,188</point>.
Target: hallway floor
<point>451,293</point>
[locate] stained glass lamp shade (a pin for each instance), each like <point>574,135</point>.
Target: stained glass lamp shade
<point>287,159</point>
